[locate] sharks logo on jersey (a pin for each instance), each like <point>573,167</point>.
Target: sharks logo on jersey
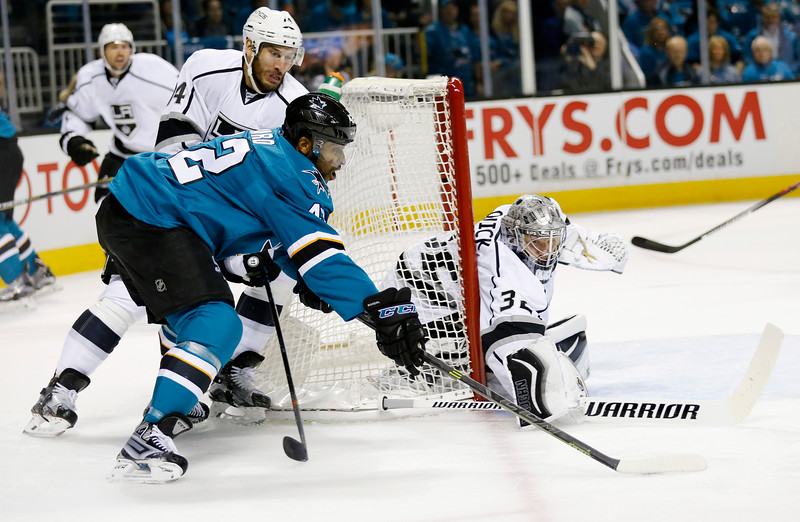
<point>124,118</point>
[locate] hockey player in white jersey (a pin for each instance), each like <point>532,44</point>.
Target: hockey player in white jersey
<point>541,365</point>
<point>128,90</point>
<point>210,202</point>
<point>218,92</point>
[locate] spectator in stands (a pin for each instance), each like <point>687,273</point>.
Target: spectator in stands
<point>452,49</point>
<point>577,20</point>
<point>548,38</point>
<point>676,71</point>
<point>713,29</point>
<point>212,24</point>
<point>331,15</point>
<point>364,16</point>
<point>719,62</point>
<point>783,42</point>
<point>636,24</point>
<point>400,12</point>
<point>652,54</point>
<point>167,28</point>
<point>763,67</point>
<point>586,67</point>
<point>506,80</point>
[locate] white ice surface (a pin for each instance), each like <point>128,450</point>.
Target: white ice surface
<point>678,325</point>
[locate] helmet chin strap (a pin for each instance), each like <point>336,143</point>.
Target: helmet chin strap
<point>117,71</point>
<point>249,67</point>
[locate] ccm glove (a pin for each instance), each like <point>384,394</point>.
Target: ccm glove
<point>81,150</point>
<point>398,331</point>
<point>260,269</point>
<point>309,298</point>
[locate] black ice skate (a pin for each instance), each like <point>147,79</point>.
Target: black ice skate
<point>54,412</point>
<point>42,277</point>
<point>233,393</point>
<point>150,455</point>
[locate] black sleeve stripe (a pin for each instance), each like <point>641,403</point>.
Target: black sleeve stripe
<point>315,248</point>
<point>170,128</point>
<point>507,331</point>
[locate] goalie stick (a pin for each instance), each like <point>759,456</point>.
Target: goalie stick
<point>657,411</point>
<point>664,464</point>
<point>5,205</point>
<point>649,244</point>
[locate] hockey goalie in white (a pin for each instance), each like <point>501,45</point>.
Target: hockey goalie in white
<point>542,366</point>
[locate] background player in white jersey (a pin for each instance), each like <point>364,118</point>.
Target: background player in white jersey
<point>541,365</point>
<point>218,92</point>
<point>222,92</point>
<point>235,194</point>
<point>128,90</point>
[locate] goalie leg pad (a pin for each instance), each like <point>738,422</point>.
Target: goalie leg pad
<point>569,334</point>
<point>545,381</point>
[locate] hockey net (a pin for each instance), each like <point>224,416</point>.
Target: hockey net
<point>408,182</point>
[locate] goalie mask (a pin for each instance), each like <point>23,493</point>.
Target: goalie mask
<point>325,121</point>
<point>115,33</point>
<point>278,28</point>
<point>535,231</point>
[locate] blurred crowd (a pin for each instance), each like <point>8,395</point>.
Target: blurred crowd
<point>748,41</point>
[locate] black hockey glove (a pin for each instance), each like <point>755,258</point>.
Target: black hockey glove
<point>81,150</point>
<point>397,328</point>
<point>309,298</point>
<point>259,268</point>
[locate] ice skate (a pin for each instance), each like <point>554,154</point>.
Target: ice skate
<point>54,412</point>
<point>18,289</point>
<point>42,278</point>
<point>150,455</point>
<point>233,393</point>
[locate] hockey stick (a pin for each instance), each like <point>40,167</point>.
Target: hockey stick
<point>649,244</point>
<point>294,449</point>
<point>15,203</point>
<point>684,462</point>
<point>655,411</point>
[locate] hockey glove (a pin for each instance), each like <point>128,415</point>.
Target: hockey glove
<point>309,298</point>
<point>260,269</point>
<point>398,331</point>
<point>81,150</point>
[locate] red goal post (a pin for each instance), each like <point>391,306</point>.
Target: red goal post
<point>408,183</point>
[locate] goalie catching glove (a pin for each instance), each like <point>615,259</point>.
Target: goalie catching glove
<point>589,250</point>
<point>399,334</point>
<point>81,150</point>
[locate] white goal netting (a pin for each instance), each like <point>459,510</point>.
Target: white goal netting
<point>401,188</point>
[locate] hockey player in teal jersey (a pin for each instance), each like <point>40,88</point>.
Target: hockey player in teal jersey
<point>232,195</point>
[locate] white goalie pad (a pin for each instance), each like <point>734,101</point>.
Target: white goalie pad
<point>541,378</point>
<point>590,250</point>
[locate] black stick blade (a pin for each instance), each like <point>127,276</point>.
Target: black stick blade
<point>295,449</point>
<point>649,244</point>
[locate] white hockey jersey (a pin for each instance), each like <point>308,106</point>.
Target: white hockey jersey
<point>212,100</point>
<point>130,105</point>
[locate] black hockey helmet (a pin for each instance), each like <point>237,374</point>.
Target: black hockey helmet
<point>319,117</point>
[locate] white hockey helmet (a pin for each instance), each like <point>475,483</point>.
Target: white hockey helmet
<point>115,33</point>
<point>533,228</point>
<point>265,25</point>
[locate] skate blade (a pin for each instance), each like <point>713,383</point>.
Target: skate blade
<point>39,426</point>
<point>155,472</point>
<point>245,416</point>
<point>23,304</point>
